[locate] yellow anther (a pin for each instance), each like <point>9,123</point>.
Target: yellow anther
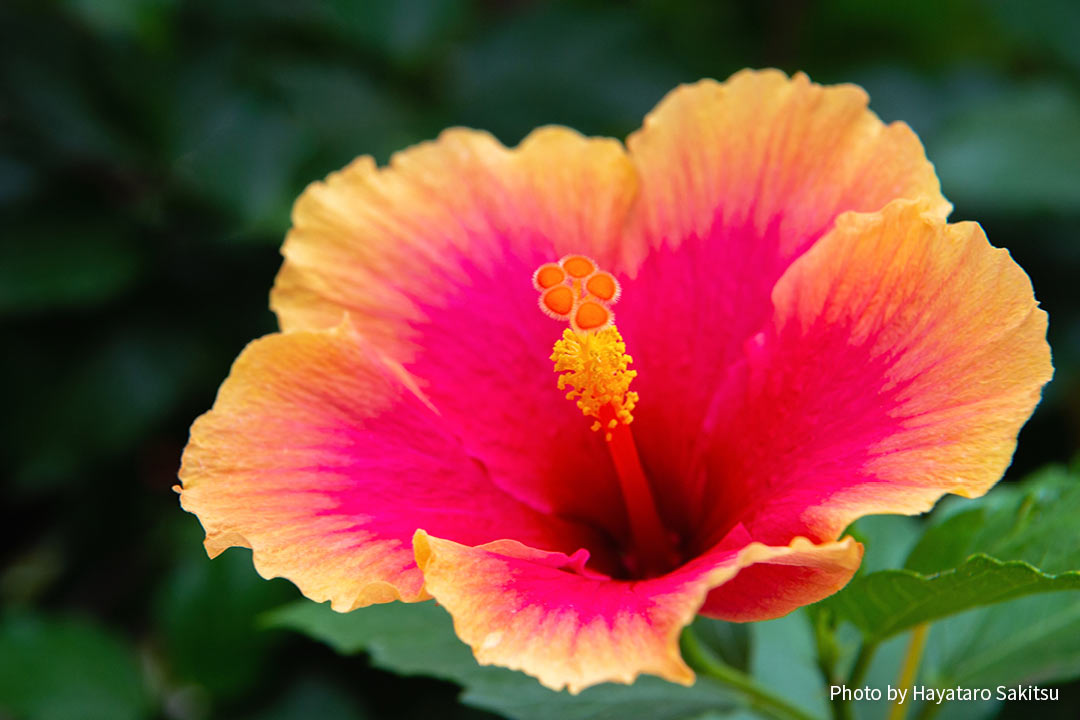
<point>595,368</point>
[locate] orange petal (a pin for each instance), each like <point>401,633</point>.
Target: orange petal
<point>532,611</point>
<point>737,180</point>
<point>904,356</point>
<point>383,243</point>
<point>323,457</point>
<point>762,150</point>
<point>433,258</point>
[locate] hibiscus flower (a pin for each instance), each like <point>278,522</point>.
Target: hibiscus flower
<point>765,327</point>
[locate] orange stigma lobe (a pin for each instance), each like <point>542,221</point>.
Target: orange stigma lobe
<point>548,275</point>
<point>575,289</point>
<point>603,286</point>
<point>578,266</point>
<point>591,315</point>
<point>558,301</point>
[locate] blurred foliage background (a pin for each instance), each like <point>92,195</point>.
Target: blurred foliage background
<point>150,151</point>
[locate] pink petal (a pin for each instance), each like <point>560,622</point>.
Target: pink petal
<point>536,612</point>
<point>433,257</point>
<point>902,359</point>
<point>737,180</point>
<point>323,457</point>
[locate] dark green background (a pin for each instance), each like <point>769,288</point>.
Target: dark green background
<point>150,151</point>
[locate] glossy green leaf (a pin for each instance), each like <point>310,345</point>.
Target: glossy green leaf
<point>419,640</point>
<point>884,603</point>
<point>886,539</point>
<point>783,659</point>
<point>144,20</point>
<point>409,639</point>
<point>1033,640</point>
<point>1034,522</point>
<point>728,642</point>
<point>1013,543</point>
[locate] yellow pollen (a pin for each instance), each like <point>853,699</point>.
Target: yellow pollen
<point>595,367</point>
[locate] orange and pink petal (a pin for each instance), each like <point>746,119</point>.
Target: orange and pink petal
<point>323,457</point>
<point>738,179</point>
<point>813,344</point>
<point>902,359</point>
<point>432,257</point>
<point>538,613</point>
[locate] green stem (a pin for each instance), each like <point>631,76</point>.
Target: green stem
<point>825,642</point>
<point>842,707</point>
<point>757,697</point>
<point>862,664</point>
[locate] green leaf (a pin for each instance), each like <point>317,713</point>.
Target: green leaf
<point>1016,542</point>
<point>409,639</point>
<point>888,602</point>
<point>1033,640</point>
<point>418,639</point>
<point>208,611</point>
<point>55,669</point>
<point>887,540</point>
<point>649,698</point>
<point>729,642</point>
<point>1034,522</point>
<point>783,659</point>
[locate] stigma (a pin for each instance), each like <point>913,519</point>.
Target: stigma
<point>590,357</point>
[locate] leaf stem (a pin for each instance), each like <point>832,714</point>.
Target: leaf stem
<point>910,667</point>
<point>825,642</point>
<point>756,696</point>
<point>862,664</point>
